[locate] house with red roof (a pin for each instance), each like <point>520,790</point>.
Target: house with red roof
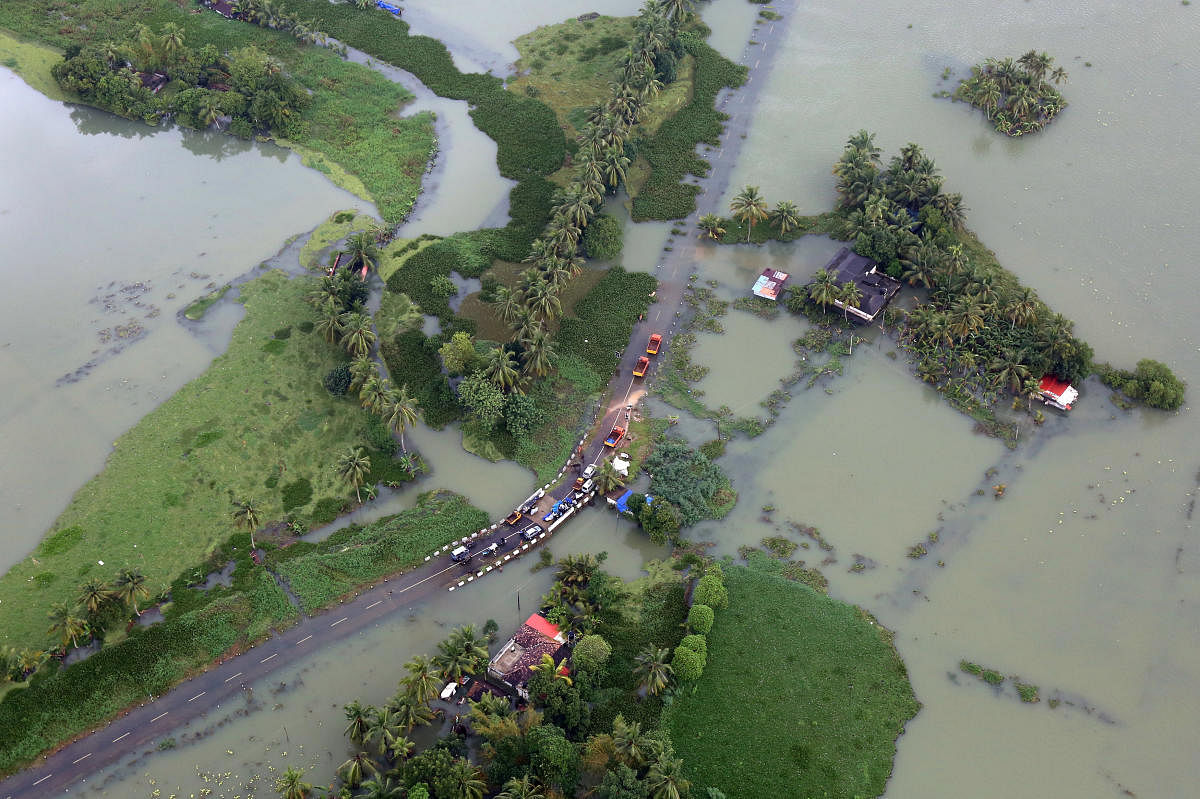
<point>1057,393</point>
<point>511,666</point>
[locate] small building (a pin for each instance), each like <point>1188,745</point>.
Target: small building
<point>770,284</point>
<point>154,81</point>
<point>877,288</point>
<point>1057,393</point>
<point>222,7</point>
<point>511,665</point>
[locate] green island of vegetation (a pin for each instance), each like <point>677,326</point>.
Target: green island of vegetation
<point>979,333</point>
<point>842,691</point>
<point>1015,95</point>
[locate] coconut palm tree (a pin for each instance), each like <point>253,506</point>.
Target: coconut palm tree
<point>653,670</point>
<point>629,743</point>
<point>850,296</point>
<point>353,467</point>
<point>1023,310</point>
<point>382,788</point>
<point>381,730</point>
<point>563,233</point>
<point>399,412</point>
<point>246,514</point>
<point>67,623</point>
<point>329,321</point>
<point>1059,75</point>
<point>749,207</point>
<point>401,748</point>
<point>539,350</point>
<point>409,713</point>
<point>576,205</point>
<point>863,143</point>
<point>373,393</point>
<point>359,716</point>
<point>362,250</point>
<point>966,316</point>
<point>543,302</point>
<point>30,660</point>
<point>614,165</point>
<point>501,369</point>
<point>462,781</point>
<point>129,587</point>
<point>508,303</point>
<point>557,671</point>
<point>423,681</point>
<point>824,289</point>
<point>1009,369</point>
<point>608,478</point>
<point>93,595</point>
<point>292,785</point>
<point>525,787</point>
<point>362,369</point>
<point>357,335</point>
<point>356,769</point>
<point>785,216</point>
<point>665,779</point>
<point>711,225</point>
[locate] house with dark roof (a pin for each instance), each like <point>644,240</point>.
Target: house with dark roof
<point>511,665</point>
<point>222,7</point>
<point>877,288</point>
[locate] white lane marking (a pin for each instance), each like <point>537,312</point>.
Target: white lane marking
<point>427,579</point>
<point>80,760</point>
<point>234,677</point>
<point>339,621</point>
<point>756,63</point>
<point>197,696</point>
<point>302,640</point>
<point>126,735</point>
<point>373,604</point>
<point>43,779</point>
<point>159,716</point>
<point>264,660</point>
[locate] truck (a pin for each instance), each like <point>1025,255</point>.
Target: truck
<point>615,437</point>
<point>643,363</point>
<point>513,518</point>
<point>654,343</point>
<point>461,554</point>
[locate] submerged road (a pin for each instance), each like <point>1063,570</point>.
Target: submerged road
<point>192,699</point>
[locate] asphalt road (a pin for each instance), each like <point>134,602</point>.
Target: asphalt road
<point>154,719</point>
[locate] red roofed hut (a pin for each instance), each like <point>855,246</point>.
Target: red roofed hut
<point>511,665</point>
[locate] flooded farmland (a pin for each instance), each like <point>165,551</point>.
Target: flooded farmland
<point>1082,580</point>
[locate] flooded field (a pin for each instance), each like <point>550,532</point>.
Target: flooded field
<point>1082,579</point>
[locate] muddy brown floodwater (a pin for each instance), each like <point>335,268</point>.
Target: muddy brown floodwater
<point>1084,579</point>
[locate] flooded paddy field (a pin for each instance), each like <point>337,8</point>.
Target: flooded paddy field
<point>1081,580</point>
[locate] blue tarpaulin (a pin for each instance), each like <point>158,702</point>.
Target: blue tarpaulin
<point>388,7</point>
<point>623,502</point>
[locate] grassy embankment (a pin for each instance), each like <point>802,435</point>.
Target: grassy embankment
<point>352,132</point>
<point>833,696</point>
<point>256,424</point>
<point>32,62</point>
<point>355,556</point>
<point>339,225</point>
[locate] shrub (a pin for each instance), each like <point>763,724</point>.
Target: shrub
<point>1151,382</point>
<point>325,511</point>
<point>305,327</point>
<point>379,436</point>
<point>591,653</point>
<point>696,643</point>
<point>297,494</point>
<point>700,619</point>
<point>603,238</point>
<point>711,591</point>
<point>687,664</point>
<point>443,286</point>
<point>337,380</point>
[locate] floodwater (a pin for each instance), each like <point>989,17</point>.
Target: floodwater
<point>1082,579</point>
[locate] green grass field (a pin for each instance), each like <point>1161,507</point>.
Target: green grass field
<point>803,696</point>
<point>257,420</point>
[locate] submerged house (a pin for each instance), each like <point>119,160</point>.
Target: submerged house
<point>1057,393</point>
<point>877,288</point>
<point>511,665</point>
<point>769,284</point>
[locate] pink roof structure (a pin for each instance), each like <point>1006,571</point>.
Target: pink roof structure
<point>769,284</point>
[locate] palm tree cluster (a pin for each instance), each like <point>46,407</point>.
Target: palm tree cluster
<point>749,208</point>
<point>980,329</point>
<point>86,616</point>
<point>533,305</point>
<point>580,593</point>
<point>267,14</point>
<point>642,762</point>
<point>1016,95</point>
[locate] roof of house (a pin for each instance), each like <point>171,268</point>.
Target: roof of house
<point>1061,392</point>
<point>222,7</point>
<point>770,284</point>
<point>537,637</point>
<point>877,289</point>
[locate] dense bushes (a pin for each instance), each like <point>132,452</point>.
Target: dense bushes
<point>1152,383</point>
<point>700,619</point>
<point>602,238</point>
<point>604,318</point>
<point>671,152</point>
<point>689,481</point>
<point>337,380</point>
<point>687,664</point>
<point>412,360</point>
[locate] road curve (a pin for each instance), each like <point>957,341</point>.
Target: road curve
<point>189,700</point>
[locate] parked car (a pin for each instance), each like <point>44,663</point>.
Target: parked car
<point>532,532</point>
<point>461,554</point>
